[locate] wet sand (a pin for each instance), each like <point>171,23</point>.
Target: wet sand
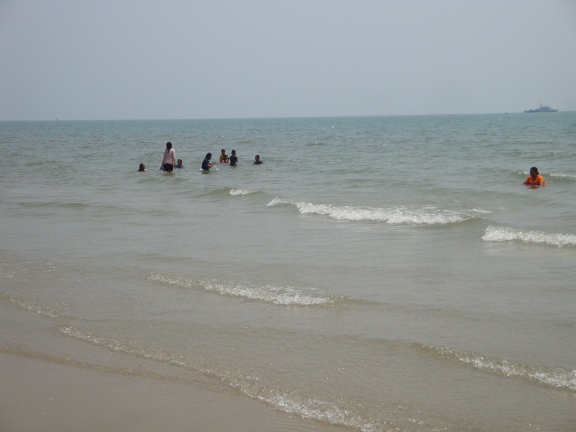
<point>40,395</point>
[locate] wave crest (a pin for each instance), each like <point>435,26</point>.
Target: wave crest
<point>556,377</point>
<point>251,385</point>
<point>284,296</point>
<point>566,176</point>
<point>238,192</point>
<point>394,216</point>
<point>503,234</point>
<point>33,307</point>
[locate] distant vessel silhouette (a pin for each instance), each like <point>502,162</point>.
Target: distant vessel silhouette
<point>541,108</point>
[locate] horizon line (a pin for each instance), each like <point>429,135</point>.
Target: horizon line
<point>270,118</point>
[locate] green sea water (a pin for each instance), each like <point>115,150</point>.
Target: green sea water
<point>375,273</point>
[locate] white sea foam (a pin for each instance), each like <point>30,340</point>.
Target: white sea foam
<point>124,347</point>
<point>558,175</point>
<point>503,234</point>
<point>317,410</point>
<point>33,307</point>
<point>562,175</point>
<point>248,385</point>
<point>394,216</point>
<point>238,192</point>
<point>551,376</point>
<point>479,210</point>
<point>286,296</point>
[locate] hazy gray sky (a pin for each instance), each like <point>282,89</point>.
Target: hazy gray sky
<point>164,59</point>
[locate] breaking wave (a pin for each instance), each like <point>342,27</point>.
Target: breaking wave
<point>285,296</point>
<point>503,234</point>
<point>563,176</point>
<point>238,192</point>
<point>33,307</point>
<point>394,216</point>
<point>250,386</point>
<point>556,377</point>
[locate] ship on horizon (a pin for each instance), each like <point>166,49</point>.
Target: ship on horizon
<point>541,108</point>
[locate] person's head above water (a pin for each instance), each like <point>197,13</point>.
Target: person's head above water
<point>233,152</point>
<point>180,163</point>
<point>168,145</point>
<point>142,167</point>
<point>208,156</point>
<point>534,172</point>
<point>223,151</point>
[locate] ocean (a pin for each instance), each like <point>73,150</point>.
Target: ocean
<point>373,274</point>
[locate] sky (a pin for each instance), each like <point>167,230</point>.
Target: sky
<point>195,59</point>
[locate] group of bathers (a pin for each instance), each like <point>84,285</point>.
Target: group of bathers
<point>169,161</point>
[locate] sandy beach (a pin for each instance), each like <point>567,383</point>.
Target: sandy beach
<point>41,395</point>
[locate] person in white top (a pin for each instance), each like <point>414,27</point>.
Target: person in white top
<point>169,159</point>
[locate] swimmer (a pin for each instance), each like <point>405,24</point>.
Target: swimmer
<point>179,164</point>
<point>223,156</point>
<point>142,167</point>
<point>169,159</point>
<point>257,160</point>
<point>535,180</point>
<point>206,164</point>
<point>233,158</point>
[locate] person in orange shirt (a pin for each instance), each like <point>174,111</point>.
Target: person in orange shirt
<point>535,179</point>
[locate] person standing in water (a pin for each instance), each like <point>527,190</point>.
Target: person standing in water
<point>535,179</point>
<point>223,156</point>
<point>169,159</point>
<point>206,164</point>
<point>233,158</point>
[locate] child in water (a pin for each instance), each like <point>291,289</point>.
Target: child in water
<point>233,158</point>
<point>142,167</point>
<point>535,180</point>
<point>223,156</point>
<point>257,160</point>
<point>179,164</point>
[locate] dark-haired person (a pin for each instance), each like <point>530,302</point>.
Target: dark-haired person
<point>179,164</point>
<point>233,158</point>
<point>257,160</point>
<point>169,159</point>
<point>223,156</point>
<point>206,164</point>
<point>142,167</point>
<point>535,180</point>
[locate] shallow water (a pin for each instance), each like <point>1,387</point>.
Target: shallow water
<point>383,273</point>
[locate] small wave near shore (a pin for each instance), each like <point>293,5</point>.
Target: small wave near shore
<point>284,296</point>
<point>504,234</point>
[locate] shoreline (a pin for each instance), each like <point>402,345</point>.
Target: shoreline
<point>39,394</point>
